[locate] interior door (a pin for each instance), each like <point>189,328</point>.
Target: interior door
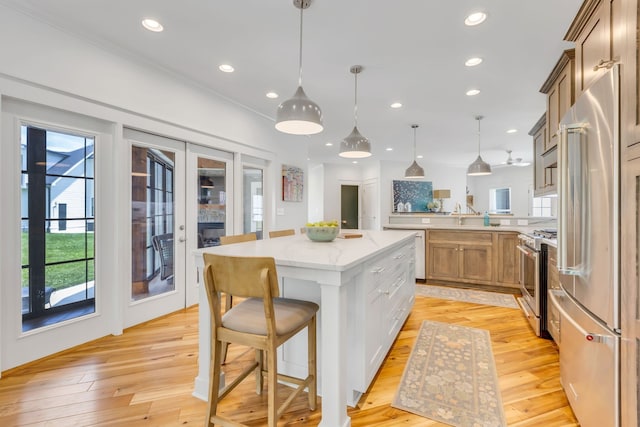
<point>158,231</point>
<point>349,206</point>
<point>370,206</point>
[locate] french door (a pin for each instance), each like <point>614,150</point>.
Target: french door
<point>179,197</point>
<point>158,230</point>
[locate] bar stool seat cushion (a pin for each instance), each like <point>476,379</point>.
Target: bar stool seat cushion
<point>248,316</point>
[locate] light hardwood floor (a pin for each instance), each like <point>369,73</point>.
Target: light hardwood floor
<point>145,377</point>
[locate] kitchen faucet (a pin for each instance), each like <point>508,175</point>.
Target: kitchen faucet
<point>458,210</point>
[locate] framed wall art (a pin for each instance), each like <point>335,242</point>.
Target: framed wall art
<point>292,183</point>
<point>412,196</point>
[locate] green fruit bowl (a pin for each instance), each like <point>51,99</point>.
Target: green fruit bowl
<point>322,234</point>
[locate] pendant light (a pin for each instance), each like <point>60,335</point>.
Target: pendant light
<point>479,167</point>
<point>299,115</point>
<point>355,146</point>
<point>415,170</point>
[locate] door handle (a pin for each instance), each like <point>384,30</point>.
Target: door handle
<point>182,239</point>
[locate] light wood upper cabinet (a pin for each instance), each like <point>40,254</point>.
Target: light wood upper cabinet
<point>559,88</point>
<point>538,132</point>
<point>597,45</point>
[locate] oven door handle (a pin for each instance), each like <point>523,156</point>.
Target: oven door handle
<point>528,252</point>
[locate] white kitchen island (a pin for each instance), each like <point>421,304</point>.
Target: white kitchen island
<point>365,290</point>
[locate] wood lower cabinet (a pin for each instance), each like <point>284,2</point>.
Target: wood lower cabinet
<point>474,257</point>
<point>461,256</point>
<point>508,259</point>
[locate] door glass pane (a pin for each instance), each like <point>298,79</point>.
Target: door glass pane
<point>57,225</point>
<point>253,204</point>
<point>152,222</point>
<point>212,201</point>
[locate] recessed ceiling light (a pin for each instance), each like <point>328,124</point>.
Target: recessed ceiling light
<point>389,149</point>
<point>472,62</point>
<point>329,144</point>
<point>419,156</point>
<point>272,95</point>
<point>355,162</point>
<point>512,130</point>
<point>396,105</point>
<point>152,25</point>
<point>475,19</point>
<point>226,68</point>
<point>473,92</point>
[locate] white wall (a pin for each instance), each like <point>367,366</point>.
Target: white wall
<point>43,66</point>
<point>333,176</point>
<point>316,193</point>
<point>518,178</point>
<point>442,177</point>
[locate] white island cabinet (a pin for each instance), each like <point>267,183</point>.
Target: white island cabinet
<point>365,288</point>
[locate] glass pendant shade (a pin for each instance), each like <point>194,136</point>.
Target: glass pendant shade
<point>299,115</point>
<point>415,170</point>
<point>355,146</point>
<point>479,167</point>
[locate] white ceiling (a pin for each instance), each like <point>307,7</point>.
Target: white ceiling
<point>412,51</point>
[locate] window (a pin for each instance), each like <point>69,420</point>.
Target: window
<point>57,225</point>
<point>253,205</point>
<point>500,200</point>
<point>542,206</point>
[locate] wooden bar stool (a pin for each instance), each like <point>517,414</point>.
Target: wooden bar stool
<point>262,321</point>
<point>282,233</point>
<point>228,299</point>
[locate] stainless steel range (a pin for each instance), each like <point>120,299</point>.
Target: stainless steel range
<point>533,278</point>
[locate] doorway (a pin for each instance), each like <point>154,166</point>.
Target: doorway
<point>349,206</point>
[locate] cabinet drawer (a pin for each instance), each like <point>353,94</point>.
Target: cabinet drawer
<point>383,271</point>
<point>461,236</point>
<point>553,316</point>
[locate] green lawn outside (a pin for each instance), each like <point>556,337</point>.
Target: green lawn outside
<point>63,247</point>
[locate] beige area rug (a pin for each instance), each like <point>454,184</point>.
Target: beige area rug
<point>451,377</point>
<point>467,295</point>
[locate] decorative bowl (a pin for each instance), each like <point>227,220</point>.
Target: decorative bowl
<point>322,234</point>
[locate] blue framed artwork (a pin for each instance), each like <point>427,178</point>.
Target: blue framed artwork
<point>412,196</point>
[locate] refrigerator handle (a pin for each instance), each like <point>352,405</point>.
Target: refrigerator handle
<point>568,135</point>
<point>563,192</point>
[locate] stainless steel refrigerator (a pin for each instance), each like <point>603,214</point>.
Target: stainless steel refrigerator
<point>588,253</point>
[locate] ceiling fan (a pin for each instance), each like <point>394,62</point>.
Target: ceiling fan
<point>511,162</point>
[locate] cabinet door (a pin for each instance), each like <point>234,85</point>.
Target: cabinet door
<point>630,286</point>
<point>560,99</point>
<point>539,133</point>
<point>593,45</point>
<point>553,280</point>
<point>443,261</point>
<point>476,262</point>
<point>508,262</point>
<point>553,120</point>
